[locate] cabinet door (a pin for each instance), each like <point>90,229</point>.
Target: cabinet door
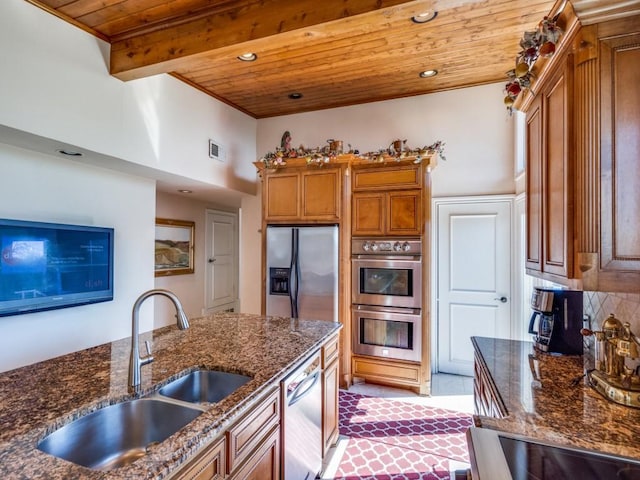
<point>550,177</point>
<point>330,406</point>
<point>404,213</point>
<point>558,173</point>
<point>281,197</point>
<point>321,195</point>
<point>368,214</point>
<point>208,466</point>
<point>620,161</point>
<point>264,463</point>
<point>243,437</point>
<point>534,151</point>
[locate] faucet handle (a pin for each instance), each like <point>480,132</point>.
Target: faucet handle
<point>148,345</point>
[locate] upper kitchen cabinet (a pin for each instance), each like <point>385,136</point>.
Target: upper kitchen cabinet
<point>307,195</point>
<point>550,176</point>
<point>583,167</point>
<point>610,258</point>
<point>387,200</point>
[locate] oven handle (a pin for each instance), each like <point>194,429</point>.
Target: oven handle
<point>375,308</point>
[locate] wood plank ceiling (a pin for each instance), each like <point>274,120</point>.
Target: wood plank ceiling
<point>332,52</point>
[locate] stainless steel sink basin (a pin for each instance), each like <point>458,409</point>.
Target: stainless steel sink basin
<point>203,386</point>
<point>118,434</point>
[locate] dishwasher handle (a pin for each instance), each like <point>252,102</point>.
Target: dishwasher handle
<point>303,388</point>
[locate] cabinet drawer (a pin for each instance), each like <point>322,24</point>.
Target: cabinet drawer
<point>387,178</point>
<point>243,437</point>
<point>330,351</point>
<point>386,371</point>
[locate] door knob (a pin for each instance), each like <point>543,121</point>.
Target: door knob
<point>211,260</point>
<point>502,299</point>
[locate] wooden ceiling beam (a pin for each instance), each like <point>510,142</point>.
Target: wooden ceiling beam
<point>167,49</point>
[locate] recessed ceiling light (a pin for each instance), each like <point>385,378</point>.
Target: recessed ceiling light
<point>424,17</point>
<point>184,190</point>
<point>248,57</point>
<point>295,95</point>
<point>428,73</point>
<point>70,153</point>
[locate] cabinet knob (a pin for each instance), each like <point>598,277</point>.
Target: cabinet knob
<point>501,299</point>
<point>211,260</point>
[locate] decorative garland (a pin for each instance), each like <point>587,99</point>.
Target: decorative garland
<point>539,43</point>
<point>320,156</point>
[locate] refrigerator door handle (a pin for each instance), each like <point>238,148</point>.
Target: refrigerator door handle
<point>295,271</point>
<point>297,287</point>
<point>291,271</point>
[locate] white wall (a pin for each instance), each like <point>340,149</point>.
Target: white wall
<point>44,188</point>
<point>250,280</point>
<point>55,91</point>
<point>54,82</point>
<point>188,288</point>
<point>473,123</point>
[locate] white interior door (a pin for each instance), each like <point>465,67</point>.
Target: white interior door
<point>473,276</point>
<point>221,243</point>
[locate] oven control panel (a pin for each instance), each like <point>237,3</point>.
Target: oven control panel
<point>374,246</point>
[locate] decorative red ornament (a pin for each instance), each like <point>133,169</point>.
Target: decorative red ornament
<point>547,49</point>
<point>513,89</point>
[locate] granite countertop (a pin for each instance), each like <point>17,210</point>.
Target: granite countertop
<point>37,399</point>
<point>556,404</point>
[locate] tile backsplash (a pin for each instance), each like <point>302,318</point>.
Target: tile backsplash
<point>625,306</point>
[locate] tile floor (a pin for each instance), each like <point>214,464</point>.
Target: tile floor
<point>452,392</point>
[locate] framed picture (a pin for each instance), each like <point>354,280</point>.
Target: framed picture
<point>174,247</point>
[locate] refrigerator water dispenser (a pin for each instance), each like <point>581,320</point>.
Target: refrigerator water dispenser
<point>279,281</point>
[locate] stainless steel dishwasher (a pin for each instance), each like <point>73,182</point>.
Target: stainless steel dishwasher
<point>302,413</point>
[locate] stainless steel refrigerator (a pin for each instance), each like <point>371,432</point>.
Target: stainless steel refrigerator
<point>302,272</point>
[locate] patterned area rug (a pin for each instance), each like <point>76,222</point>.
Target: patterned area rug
<point>394,440</point>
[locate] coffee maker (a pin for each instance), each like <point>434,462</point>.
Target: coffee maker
<point>556,320</point>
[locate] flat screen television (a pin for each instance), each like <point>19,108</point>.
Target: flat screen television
<point>44,266</point>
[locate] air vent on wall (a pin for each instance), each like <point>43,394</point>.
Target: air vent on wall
<point>216,150</point>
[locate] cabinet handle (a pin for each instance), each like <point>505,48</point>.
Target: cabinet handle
<point>501,299</point>
<point>211,260</point>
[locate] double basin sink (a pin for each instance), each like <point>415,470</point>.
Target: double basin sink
<point>119,434</point>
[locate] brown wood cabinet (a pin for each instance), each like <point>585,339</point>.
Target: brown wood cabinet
<point>550,177</point>
<point>583,168</point>
<point>302,195</point>
<point>250,449</point>
<point>618,264</point>
<point>264,463</point>
<point>387,372</point>
<point>248,433</point>
<point>210,465</point>
<point>330,386</point>
<point>486,399</point>
<point>387,201</point>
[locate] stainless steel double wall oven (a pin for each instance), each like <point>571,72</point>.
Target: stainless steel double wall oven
<point>387,297</point>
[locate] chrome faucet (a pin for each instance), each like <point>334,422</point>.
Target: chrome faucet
<point>136,361</point>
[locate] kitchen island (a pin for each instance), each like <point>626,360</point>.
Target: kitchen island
<point>547,397</point>
<point>38,399</point>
